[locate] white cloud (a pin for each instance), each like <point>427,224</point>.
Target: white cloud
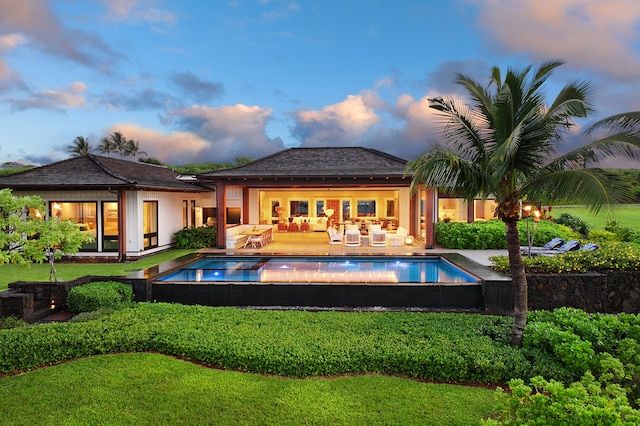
<point>341,124</point>
<point>139,10</point>
<point>10,41</point>
<point>229,131</point>
<point>57,100</point>
<point>591,34</point>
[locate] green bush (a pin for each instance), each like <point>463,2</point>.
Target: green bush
<point>574,222</point>
<point>196,238</point>
<point>600,236</point>
<point>96,295</point>
<point>623,233</point>
<point>11,322</point>
<point>493,235</point>
<point>611,256</point>
<point>585,403</point>
<point>435,346</point>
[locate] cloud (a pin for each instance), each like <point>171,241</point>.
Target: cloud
<point>35,22</point>
<point>201,91</point>
<point>9,79</point>
<point>172,148</point>
<point>588,34</point>
<point>139,100</point>
<point>341,124</point>
<point>139,11</point>
<point>229,132</point>
<point>10,41</point>
<point>55,100</point>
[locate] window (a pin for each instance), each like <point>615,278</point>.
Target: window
<point>299,208</point>
<point>84,214</point>
<point>110,226</point>
<point>192,216</point>
<point>319,207</point>
<point>366,208</point>
<point>150,224</point>
<point>391,208</point>
<point>185,214</point>
<point>233,215</point>
<point>346,210</point>
<point>452,210</point>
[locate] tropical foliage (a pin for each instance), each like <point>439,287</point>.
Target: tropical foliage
<point>80,147</point>
<point>26,236</point>
<point>504,143</point>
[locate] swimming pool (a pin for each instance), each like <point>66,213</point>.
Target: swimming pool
<point>347,270</point>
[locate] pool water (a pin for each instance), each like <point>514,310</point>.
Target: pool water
<point>320,270</point>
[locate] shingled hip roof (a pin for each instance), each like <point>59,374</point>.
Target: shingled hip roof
<point>93,171</point>
<point>300,162</point>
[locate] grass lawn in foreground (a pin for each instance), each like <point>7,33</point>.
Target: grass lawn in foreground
<point>70,271</point>
<point>153,389</point>
<point>628,216</point>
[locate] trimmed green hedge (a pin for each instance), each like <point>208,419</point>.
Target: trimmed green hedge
<point>96,295</point>
<point>447,347</point>
<point>493,234</point>
<point>611,256</point>
<point>196,238</point>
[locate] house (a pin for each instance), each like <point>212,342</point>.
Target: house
<point>132,209</point>
<point>301,184</point>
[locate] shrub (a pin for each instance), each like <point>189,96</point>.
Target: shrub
<point>584,403</point>
<point>492,234</point>
<point>196,238</point>
<point>622,233</point>
<point>574,222</point>
<point>600,236</point>
<point>612,256</point>
<point>100,294</point>
<point>11,322</point>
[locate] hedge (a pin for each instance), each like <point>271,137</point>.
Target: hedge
<point>99,294</point>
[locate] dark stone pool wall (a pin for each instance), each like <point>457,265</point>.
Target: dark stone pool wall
<point>608,292</point>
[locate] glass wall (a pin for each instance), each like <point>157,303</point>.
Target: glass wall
<point>150,223</point>
<point>84,214</point>
<point>452,210</point>
<point>110,226</point>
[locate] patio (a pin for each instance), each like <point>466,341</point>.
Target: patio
<point>317,243</point>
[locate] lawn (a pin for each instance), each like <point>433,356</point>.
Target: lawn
<point>69,271</point>
<point>628,216</point>
<point>153,389</point>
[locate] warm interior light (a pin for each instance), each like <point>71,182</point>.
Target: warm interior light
<point>537,216</point>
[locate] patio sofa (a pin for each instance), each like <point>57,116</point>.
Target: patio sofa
<point>234,236</point>
<point>316,224</point>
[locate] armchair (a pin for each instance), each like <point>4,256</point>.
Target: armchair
<point>352,238</point>
<point>397,239</point>
<point>378,238</point>
<point>335,237</point>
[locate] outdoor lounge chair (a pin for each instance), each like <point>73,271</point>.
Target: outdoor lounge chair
<point>335,237</point>
<point>378,238</point>
<point>568,246</point>
<point>397,239</point>
<point>554,243</point>
<point>590,246</point>
<point>352,238</point>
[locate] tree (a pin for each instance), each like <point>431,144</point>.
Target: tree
<point>80,147</point>
<point>133,149</point>
<point>119,143</point>
<point>503,144</point>
<point>26,236</point>
<point>106,146</point>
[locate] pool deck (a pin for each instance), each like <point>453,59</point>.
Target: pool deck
<point>317,244</point>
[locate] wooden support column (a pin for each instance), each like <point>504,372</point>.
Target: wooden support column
<point>221,215</point>
<point>122,225</point>
<point>470,211</point>
<point>429,218</point>
<point>245,205</point>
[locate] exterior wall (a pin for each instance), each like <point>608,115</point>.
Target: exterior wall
<point>170,215</point>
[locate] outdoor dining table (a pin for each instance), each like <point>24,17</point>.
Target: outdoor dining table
<point>262,233</point>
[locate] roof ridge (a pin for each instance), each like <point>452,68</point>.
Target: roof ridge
<point>96,160</point>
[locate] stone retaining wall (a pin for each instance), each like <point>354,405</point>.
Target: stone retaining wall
<point>607,292</point>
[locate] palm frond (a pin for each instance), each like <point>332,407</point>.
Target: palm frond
<point>625,121</point>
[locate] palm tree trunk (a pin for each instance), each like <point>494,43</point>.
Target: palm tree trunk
<point>519,280</point>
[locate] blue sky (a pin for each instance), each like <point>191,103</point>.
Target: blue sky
<point>197,81</point>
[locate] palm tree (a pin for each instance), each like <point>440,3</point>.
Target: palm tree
<point>80,147</point>
<point>119,143</point>
<point>106,146</point>
<point>503,143</point>
<point>133,149</point>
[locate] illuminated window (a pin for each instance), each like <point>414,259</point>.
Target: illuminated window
<point>110,226</point>
<point>84,214</point>
<point>150,223</point>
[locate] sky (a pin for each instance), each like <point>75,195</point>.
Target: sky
<point>199,81</point>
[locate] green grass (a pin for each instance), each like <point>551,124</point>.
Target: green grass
<point>71,271</point>
<point>628,216</point>
<point>152,389</point>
